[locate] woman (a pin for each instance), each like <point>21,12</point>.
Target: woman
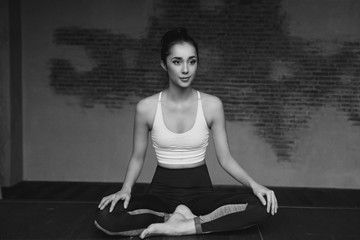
<point>180,199</point>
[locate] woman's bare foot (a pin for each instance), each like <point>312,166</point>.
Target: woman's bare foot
<point>181,222</point>
<point>185,211</point>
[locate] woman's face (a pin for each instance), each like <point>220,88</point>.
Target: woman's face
<point>181,64</point>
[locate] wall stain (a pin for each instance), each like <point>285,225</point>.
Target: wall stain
<point>247,58</point>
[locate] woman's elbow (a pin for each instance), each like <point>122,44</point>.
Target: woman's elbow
<point>224,162</point>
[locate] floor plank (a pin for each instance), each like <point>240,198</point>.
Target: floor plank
<point>313,224</point>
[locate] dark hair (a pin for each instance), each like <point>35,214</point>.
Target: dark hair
<point>174,36</point>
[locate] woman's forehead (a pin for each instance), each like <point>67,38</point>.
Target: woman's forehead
<point>183,50</point>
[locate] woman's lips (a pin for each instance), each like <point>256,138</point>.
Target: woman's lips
<point>184,79</point>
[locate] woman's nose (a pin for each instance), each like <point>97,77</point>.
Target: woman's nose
<point>185,68</point>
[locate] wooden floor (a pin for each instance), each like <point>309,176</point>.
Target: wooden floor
<point>65,210</point>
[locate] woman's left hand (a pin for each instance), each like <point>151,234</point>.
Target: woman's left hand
<point>270,201</point>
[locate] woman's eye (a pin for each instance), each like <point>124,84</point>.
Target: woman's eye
<point>193,62</point>
<point>176,62</point>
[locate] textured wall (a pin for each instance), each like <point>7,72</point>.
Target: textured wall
<point>287,72</point>
<point>248,59</point>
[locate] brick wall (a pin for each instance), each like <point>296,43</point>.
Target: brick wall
<point>264,75</point>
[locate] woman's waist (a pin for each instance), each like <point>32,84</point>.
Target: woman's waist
<point>180,165</point>
<point>195,176</point>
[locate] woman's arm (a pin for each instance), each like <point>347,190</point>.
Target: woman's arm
<point>216,119</point>
<point>140,142</point>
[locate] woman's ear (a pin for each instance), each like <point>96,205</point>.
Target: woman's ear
<point>163,65</point>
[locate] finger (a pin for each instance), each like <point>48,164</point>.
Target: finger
<point>101,203</point>
<point>104,202</point>
<point>113,203</point>
<point>274,203</point>
<point>126,202</point>
<point>262,199</point>
<point>268,197</point>
<point>270,202</point>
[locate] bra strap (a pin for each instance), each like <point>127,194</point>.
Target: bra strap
<point>198,95</point>
<point>160,96</point>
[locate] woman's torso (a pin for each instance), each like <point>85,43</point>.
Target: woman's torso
<point>180,136</point>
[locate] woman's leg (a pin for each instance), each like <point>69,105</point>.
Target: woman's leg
<point>142,211</point>
<point>212,212</point>
<point>227,211</point>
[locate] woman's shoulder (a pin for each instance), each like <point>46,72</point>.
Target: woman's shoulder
<point>212,107</point>
<point>210,101</point>
<point>146,108</point>
<point>148,103</point>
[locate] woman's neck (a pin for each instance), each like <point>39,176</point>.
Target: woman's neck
<point>179,94</point>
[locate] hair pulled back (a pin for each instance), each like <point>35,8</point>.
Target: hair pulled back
<point>174,36</point>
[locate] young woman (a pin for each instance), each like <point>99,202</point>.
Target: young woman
<point>181,199</point>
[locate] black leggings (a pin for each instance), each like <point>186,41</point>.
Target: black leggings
<point>216,211</point>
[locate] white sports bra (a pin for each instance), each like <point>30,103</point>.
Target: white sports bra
<point>180,148</point>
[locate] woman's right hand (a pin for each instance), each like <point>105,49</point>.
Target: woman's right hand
<point>114,198</point>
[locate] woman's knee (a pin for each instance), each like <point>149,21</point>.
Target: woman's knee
<point>260,211</point>
<point>106,220</point>
<point>102,218</point>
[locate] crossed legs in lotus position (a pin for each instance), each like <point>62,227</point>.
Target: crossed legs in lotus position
<point>181,222</point>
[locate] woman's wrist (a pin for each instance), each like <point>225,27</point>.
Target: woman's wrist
<point>253,184</point>
<point>126,188</point>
